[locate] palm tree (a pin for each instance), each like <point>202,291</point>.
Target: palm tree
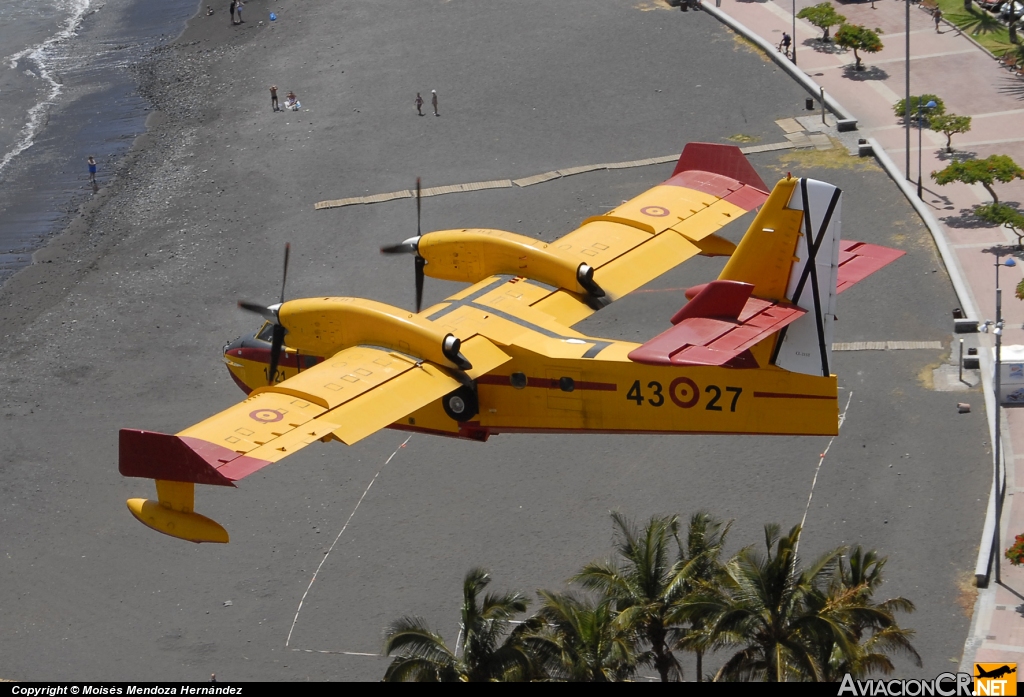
<point>644,587</point>
<point>766,611</point>
<point>581,641</point>
<point>423,656</point>
<point>702,575</point>
<point>873,628</point>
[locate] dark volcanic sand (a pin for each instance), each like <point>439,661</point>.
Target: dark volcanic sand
<point>121,320</point>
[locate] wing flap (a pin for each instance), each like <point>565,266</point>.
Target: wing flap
<point>345,375</point>
<point>657,256</point>
<point>600,241</point>
<point>484,356</point>
<point>389,402</point>
<point>409,392</point>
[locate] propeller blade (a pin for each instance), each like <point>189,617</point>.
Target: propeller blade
<point>284,276</point>
<point>420,263</point>
<point>277,342</point>
<point>409,246</point>
<point>267,313</point>
<point>252,307</point>
<point>418,233</point>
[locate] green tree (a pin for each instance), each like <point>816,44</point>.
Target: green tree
<point>767,613</point>
<point>702,574</point>
<point>985,172</point>
<point>874,632</point>
<point>423,656</point>
<point>823,16</point>
<point>900,107</point>
<point>859,38</point>
<point>949,125</point>
<point>1007,216</point>
<point>644,586</point>
<point>582,641</point>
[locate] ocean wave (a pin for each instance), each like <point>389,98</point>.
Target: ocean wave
<point>40,55</point>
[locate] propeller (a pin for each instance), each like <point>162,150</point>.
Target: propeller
<point>411,246</point>
<point>271,315</point>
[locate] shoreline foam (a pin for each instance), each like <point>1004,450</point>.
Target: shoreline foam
<point>92,106</point>
<point>37,54</point>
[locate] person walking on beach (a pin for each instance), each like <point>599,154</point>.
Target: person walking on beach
<point>273,98</point>
<point>234,4</point>
<point>419,104</point>
<point>92,169</point>
<point>433,101</point>
<point>937,16</point>
<point>239,11</point>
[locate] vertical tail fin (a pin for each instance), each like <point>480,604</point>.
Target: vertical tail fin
<point>791,253</point>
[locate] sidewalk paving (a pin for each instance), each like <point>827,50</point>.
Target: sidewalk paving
<point>971,83</point>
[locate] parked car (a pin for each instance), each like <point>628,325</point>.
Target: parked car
<point>1011,10</point>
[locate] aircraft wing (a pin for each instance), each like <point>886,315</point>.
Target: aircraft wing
<point>349,396</point>
<point>640,240</point>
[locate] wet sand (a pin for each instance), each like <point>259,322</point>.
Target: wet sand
<point>91,107</point>
<point>120,321</point>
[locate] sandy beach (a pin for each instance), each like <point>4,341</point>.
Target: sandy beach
<point>120,320</point>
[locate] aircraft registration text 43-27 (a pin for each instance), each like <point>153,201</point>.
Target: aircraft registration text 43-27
<point>685,394</point>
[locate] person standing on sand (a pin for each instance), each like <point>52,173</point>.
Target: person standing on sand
<point>419,104</point>
<point>433,101</point>
<point>239,11</point>
<point>273,98</point>
<point>234,3</point>
<point>92,169</point>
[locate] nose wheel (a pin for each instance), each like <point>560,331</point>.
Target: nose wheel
<point>462,404</point>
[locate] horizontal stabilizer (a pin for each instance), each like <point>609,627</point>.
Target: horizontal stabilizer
<point>858,260</point>
<point>718,325</point>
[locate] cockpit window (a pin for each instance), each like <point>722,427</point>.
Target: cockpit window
<point>266,332</point>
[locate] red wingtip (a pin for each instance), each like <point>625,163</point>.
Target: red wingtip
<point>155,455</point>
<point>727,160</point>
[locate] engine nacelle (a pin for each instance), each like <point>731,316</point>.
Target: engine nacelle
<point>472,255</point>
<point>324,326</point>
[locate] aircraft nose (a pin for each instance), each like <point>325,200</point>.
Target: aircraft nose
<point>234,345</point>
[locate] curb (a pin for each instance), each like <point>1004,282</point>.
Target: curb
<point>846,120</point>
<point>963,293</point>
<point>985,551</point>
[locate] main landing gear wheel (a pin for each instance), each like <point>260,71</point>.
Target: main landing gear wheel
<point>462,404</point>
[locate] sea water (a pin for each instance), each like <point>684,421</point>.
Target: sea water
<point>66,93</point>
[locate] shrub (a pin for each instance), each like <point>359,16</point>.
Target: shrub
<point>859,38</point>
<point>899,108</point>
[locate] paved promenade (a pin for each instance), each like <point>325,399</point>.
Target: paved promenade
<point>971,83</point>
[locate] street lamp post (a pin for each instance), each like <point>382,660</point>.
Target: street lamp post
<point>794,31</point>
<point>997,444</point>
<point>906,102</point>
<point>930,105</point>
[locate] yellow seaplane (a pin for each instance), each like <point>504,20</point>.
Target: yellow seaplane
<point>749,353</point>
